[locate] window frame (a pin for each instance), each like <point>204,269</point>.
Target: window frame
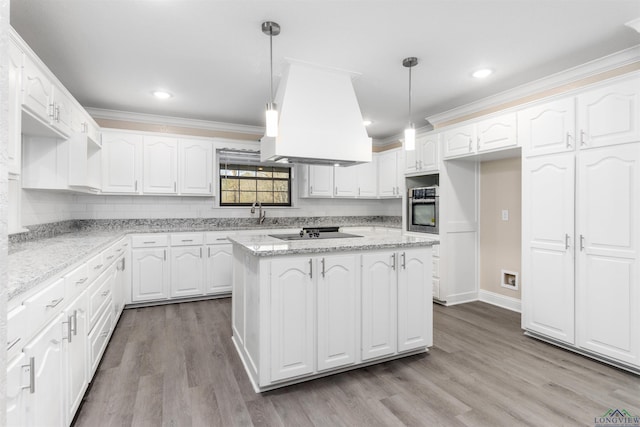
<point>241,166</point>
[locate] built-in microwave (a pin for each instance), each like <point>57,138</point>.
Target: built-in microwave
<point>423,207</point>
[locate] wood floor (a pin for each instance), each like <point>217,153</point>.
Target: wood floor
<point>175,365</point>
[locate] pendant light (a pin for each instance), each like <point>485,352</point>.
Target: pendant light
<point>271,29</point>
<point>410,131</point>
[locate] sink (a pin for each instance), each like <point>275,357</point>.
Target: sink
<point>306,236</point>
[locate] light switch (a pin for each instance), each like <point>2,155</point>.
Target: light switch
<point>505,214</point>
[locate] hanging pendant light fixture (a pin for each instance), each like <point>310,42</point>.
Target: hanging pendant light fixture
<point>410,131</point>
<point>271,29</point>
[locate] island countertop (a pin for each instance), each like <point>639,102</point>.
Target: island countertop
<point>372,238</point>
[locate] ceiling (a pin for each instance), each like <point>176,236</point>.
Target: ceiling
<point>213,57</point>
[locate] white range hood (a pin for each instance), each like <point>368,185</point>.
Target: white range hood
<point>320,119</point>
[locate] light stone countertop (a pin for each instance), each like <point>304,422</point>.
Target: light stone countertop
<point>374,238</point>
<point>34,262</point>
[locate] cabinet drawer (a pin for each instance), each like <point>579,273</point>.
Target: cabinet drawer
<point>149,240</point>
<point>77,281</point>
<point>99,297</point>
<point>44,306</point>
<point>187,239</point>
<point>436,267</point>
<point>95,266</point>
<point>218,238</point>
<point>16,330</point>
<point>98,339</point>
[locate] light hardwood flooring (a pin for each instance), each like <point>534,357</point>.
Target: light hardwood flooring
<point>175,365</point>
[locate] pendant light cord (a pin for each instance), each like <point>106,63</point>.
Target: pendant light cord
<point>410,93</point>
<point>271,59</point>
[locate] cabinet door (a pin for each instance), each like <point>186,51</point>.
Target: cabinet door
<point>44,405</point>
<point>548,246</point>
<point>428,149</point>
<point>337,311</point>
<point>610,115</point>
<point>379,304</point>
<point>388,174</point>
<point>415,306</point>
<point>345,181</point>
<point>37,91</point>
<point>548,128</point>
<point>196,167</point>
<point>150,274</point>
<point>119,287</point>
<point>411,159</point>
<point>219,269</point>
<point>497,132</point>
<point>62,112</point>
<point>320,181</point>
<point>76,354</point>
<point>160,170</point>
<point>367,179</point>
<point>14,123</point>
<point>186,271</point>
<point>608,291</point>
<point>292,314</point>
<point>121,154</point>
<point>16,394</point>
<point>459,141</point>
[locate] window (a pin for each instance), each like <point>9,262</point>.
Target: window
<point>243,185</point>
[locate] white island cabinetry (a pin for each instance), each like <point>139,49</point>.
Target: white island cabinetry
<point>302,314</point>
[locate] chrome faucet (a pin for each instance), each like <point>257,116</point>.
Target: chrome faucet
<point>261,214</point>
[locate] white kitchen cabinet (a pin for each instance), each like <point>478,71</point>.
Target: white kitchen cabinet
<point>459,141</point>
<point>15,63</point>
<point>61,111</point>
<point>150,274</point>
<point>366,174</point>
<point>496,133</point>
<point>390,183</point>
<point>120,285</point>
<point>44,405</point>
<point>548,246</point>
<point>98,339</point>
<point>17,390</point>
<point>415,309</point>
<point>609,115</point>
<point>160,170</point>
<point>345,181</point>
<point>337,305</point>
<point>425,158</point>
<point>37,91</point>
<point>219,267</point>
<point>84,162</point>
<point>195,166</point>
<point>379,304</point>
<point>608,251</point>
<point>292,314</point>
<point>320,181</point>
<point>75,349</point>
<point>121,162</point>
<point>547,128</point>
<point>187,277</point>
<point>436,272</point>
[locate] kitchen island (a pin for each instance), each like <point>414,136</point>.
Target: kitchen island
<point>309,308</point>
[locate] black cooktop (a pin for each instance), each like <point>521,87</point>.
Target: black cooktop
<point>311,233</point>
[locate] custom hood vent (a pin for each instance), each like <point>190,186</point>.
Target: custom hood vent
<point>320,119</point>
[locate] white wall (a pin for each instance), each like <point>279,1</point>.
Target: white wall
<point>39,207</point>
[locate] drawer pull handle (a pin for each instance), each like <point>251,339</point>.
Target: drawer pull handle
<point>404,260</point>
<point>119,250</point>
<point>104,334</point>
<point>12,343</point>
<point>74,328</point>
<point>98,267</point>
<point>81,281</point>
<point>105,293</point>
<point>31,367</point>
<point>54,303</point>
<point>110,256</point>
<point>222,238</point>
<point>187,240</point>
<point>148,243</point>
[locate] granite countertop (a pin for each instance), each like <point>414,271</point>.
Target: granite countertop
<point>33,262</point>
<point>265,245</point>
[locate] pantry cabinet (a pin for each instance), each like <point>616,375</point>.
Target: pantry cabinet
<point>548,128</point>
<point>121,162</point>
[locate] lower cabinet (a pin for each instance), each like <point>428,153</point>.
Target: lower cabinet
<point>218,268</point>
<point>150,274</point>
<point>75,351</point>
<point>18,371</point>
<point>186,271</point>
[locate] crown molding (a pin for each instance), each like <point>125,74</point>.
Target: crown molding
<point>589,69</point>
<point>98,113</point>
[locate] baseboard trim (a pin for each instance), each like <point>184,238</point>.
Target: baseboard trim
<point>499,300</point>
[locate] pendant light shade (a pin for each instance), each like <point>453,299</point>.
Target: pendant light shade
<point>271,115</point>
<point>410,130</point>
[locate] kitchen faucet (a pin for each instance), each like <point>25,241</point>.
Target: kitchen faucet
<point>261,214</point>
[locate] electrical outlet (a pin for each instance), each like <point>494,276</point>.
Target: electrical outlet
<point>505,214</point>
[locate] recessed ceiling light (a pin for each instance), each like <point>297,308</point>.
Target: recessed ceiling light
<point>161,94</point>
<point>366,122</point>
<point>482,73</point>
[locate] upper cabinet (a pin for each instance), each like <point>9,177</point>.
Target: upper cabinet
<point>121,162</point>
<point>345,181</point>
<point>390,181</point>
<point>195,166</point>
<point>607,115</point>
<point>425,158</point>
<point>15,63</point>
<point>37,91</point>
<point>160,170</point>
<point>488,135</point>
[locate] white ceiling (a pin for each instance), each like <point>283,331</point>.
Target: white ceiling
<point>214,58</point>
